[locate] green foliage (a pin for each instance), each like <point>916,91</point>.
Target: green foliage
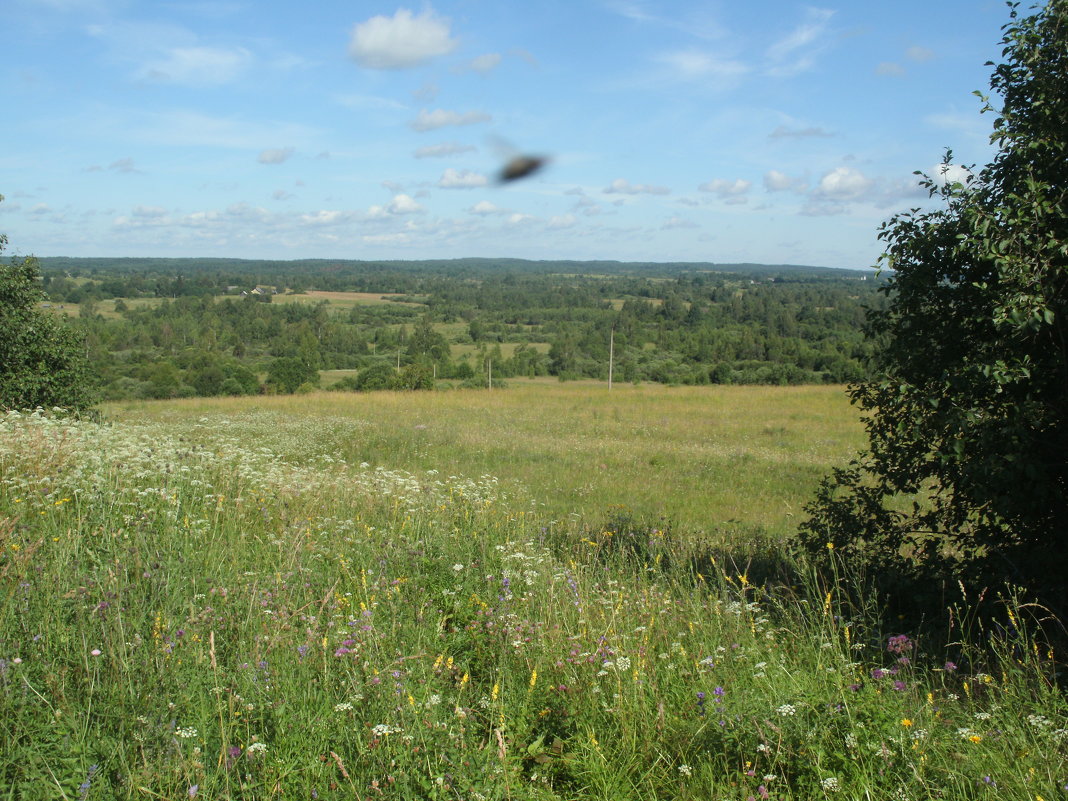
<point>287,373</point>
<point>377,376</point>
<point>42,361</point>
<point>966,472</point>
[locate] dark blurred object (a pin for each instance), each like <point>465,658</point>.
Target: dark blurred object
<point>521,167</point>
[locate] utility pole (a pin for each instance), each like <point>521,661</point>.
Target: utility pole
<point>611,355</point>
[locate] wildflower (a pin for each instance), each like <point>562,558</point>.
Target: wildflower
<point>95,652</point>
<point>622,664</point>
<point>899,644</point>
<point>975,738</point>
<point>685,770</point>
<point>257,748</point>
<point>186,733</point>
<point>949,667</point>
<point>343,707</point>
<point>830,784</point>
<point>193,790</point>
<point>787,710</point>
<point>906,722</point>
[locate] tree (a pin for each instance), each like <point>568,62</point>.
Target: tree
<point>966,471</point>
<point>42,360</point>
<point>287,374</point>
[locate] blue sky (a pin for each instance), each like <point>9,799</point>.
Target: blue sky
<point>766,131</point>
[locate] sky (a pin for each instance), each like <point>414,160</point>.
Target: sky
<point>767,131</point>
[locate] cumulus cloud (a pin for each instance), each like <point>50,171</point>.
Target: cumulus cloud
<point>485,209</point>
<point>401,41</point>
<point>443,150</point>
<point>275,155</point>
<point>399,205</point>
<point>461,179</point>
<point>198,66</point>
<point>562,221</point>
<point>621,186</point>
<point>843,183</point>
<point>775,181</point>
<point>326,217</point>
<point>441,118</point>
<point>725,189</point>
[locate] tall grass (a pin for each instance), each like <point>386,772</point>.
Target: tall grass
<point>721,461</point>
<point>188,612</point>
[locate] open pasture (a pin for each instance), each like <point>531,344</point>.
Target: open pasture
<point>715,460</point>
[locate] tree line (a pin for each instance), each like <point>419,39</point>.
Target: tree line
<point>203,335</point>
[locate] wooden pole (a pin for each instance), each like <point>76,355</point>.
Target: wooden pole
<point>611,355</point>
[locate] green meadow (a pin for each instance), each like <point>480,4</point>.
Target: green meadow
<point>540,591</point>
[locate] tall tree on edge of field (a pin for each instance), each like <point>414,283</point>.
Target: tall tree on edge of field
<point>42,361</point>
<point>966,472</point>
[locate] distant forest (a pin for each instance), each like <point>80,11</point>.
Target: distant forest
<point>159,328</point>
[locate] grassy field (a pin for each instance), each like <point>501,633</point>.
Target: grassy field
<point>407,597</point>
<point>723,459</point>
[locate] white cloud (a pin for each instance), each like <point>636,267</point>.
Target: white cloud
<point>326,217</point>
<point>677,222</point>
<point>726,189</point>
<point>485,209</point>
<point>797,51</point>
<point>461,179</point>
<point>401,204</point>
<point>843,183</point>
<point>198,66</point>
<point>149,212</point>
<point>443,150</point>
<point>440,118</point>
<point>387,239</point>
<point>621,186</point>
<point>483,65</point>
<point>691,64</point>
<point>943,174</point>
<point>917,53</point>
<point>775,181</point>
<point>400,41</point>
<point>562,221</point>
<point>889,68</point>
<point>275,155</point>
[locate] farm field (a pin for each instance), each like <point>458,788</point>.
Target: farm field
<point>437,595</point>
